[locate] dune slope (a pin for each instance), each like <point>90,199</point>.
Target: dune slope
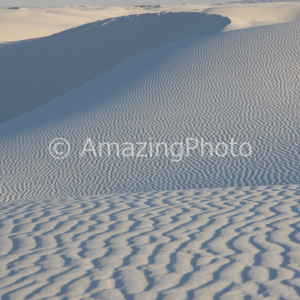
<point>35,72</point>
<point>242,85</point>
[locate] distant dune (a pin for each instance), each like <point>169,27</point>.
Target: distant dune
<point>28,23</point>
<point>259,13</point>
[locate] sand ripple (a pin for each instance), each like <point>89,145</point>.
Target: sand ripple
<point>194,244</point>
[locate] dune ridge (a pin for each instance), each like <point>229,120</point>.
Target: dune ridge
<point>240,84</point>
<point>259,12</point>
<point>24,23</point>
<point>73,57</point>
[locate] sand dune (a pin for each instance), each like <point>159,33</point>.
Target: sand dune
<point>259,13</point>
<point>94,226</point>
<point>241,84</point>
<point>28,22</point>
<point>78,55</point>
<point>195,244</point>
<point>251,15</point>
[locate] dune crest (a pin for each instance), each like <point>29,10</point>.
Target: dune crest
<point>279,13</point>
<point>36,72</point>
<point>241,84</point>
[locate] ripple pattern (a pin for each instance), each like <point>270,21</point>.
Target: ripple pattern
<point>234,243</point>
<point>242,84</point>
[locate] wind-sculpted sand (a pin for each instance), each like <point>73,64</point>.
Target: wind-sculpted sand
<point>88,225</point>
<point>36,72</point>
<point>194,244</point>
<point>241,85</point>
<point>21,23</point>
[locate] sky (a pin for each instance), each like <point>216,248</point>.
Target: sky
<point>37,3</point>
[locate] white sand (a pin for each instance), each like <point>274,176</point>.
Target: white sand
<point>194,244</point>
<point>76,56</point>
<point>28,23</point>
<point>240,84</point>
<point>150,228</point>
<point>250,15</point>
